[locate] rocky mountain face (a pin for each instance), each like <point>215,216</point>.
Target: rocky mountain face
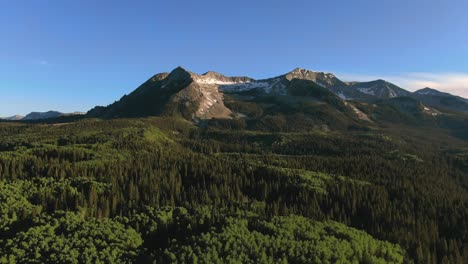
<point>179,92</point>
<point>278,85</point>
<point>379,89</point>
<point>203,96</point>
<point>329,81</point>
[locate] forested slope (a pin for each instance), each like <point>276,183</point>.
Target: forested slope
<point>163,190</point>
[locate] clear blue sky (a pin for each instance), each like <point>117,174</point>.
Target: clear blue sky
<point>71,55</point>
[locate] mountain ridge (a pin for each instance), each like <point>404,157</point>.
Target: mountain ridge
<point>12,118</point>
<point>441,100</point>
<point>201,96</point>
<point>41,115</point>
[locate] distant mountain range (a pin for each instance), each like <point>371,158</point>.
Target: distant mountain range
<point>214,95</point>
<point>41,115</point>
<point>15,117</point>
<point>442,100</point>
<point>210,95</point>
<point>379,89</point>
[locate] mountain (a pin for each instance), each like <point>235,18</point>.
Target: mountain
<point>180,93</point>
<point>379,89</point>
<point>289,164</point>
<point>441,100</point>
<point>48,114</point>
<point>13,118</point>
<point>327,80</point>
<point>74,113</point>
<point>298,100</point>
<point>431,92</point>
<point>42,115</point>
<point>198,97</point>
<point>278,85</point>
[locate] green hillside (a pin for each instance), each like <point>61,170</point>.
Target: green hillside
<point>163,190</point>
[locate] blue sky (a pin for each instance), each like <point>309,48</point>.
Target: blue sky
<point>72,55</point>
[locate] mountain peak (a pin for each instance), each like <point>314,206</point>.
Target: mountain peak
<point>180,70</point>
<point>427,89</point>
<point>216,78</point>
<point>160,76</point>
<point>300,70</point>
<point>179,73</point>
<point>213,74</point>
<point>321,78</point>
<point>306,74</point>
<point>297,69</point>
<point>379,88</point>
<point>431,91</point>
<point>436,98</point>
<point>434,92</point>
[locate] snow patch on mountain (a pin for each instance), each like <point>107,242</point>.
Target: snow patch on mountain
<point>268,86</point>
<point>431,111</point>
<point>342,96</point>
<point>216,81</point>
<point>425,92</point>
<point>366,90</point>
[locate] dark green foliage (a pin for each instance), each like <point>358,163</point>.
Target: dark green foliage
<point>291,239</point>
<point>320,108</point>
<point>169,191</point>
<point>69,238</point>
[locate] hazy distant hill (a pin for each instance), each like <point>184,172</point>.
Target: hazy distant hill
<point>12,118</point>
<point>48,114</point>
<point>442,100</point>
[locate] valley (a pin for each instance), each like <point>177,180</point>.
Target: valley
<point>192,168</point>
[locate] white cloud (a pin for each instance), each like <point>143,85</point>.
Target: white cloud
<point>454,83</point>
<point>41,62</point>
